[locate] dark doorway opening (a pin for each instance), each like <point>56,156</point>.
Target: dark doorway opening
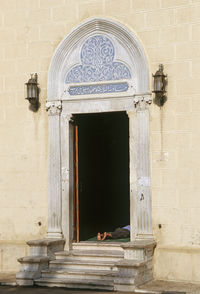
<point>103,164</point>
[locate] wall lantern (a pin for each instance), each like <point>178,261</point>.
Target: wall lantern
<point>160,82</point>
<point>32,91</point>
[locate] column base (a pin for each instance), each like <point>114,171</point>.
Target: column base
<point>54,235</point>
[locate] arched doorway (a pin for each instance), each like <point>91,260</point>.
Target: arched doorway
<point>99,68</point>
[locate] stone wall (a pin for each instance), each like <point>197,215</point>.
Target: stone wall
<point>30,31</point>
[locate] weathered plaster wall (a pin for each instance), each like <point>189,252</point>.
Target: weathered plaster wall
<point>30,31</point>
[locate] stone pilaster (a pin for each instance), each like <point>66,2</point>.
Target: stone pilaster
<point>67,177</point>
<point>54,181</point>
<point>143,167</point>
<point>132,114</point>
<point>140,169</point>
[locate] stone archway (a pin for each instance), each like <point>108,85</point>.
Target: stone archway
<point>120,82</point>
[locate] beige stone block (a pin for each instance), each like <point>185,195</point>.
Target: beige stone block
<point>7,67</point>
<point>160,18</point>
<point>149,38</point>
<point>169,178</point>
<point>165,197</point>
<point>195,68</point>
<point>167,235</point>
<point>183,105</point>
<point>156,177</point>
<point>15,82</point>
<point>15,51</point>
<point>23,181</point>
<point>175,269</point>
<point>194,219</point>
<point>195,13</point>
<point>171,89</point>
<point>8,4</point>
<point>7,35</point>
<point>135,21</point>
<point>161,54</point>
<point>54,32</point>
<point>1,19</point>
<point>188,86</point>
<point>44,63</point>
<point>41,48</point>
<point>195,127</point>
<point>61,13</point>
<point>156,141</point>
<point>188,197</point>
<point>196,105</point>
<point>164,158</point>
<point>90,9</point>
<point>183,141</point>
<point>28,66</point>
<point>23,162</point>
<point>183,15</point>
<point>10,253</point>
<point>183,123</point>
<point>196,173</point>
<point>195,266</point>
<point>174,3</point>
<point>27,33</point>
<point>3,117</point>
<point>2,85</point>
<point>115,7</point>
<point>155,125</point>
<point>168,122</point>
<point>39,16</point>
<point>175,34</point>
<point>195,32</point>
<point>188,51</point>
<point>168,140</point>
<point>166,215</point>
<point>27,4</point>
<point>187,158</point>
<point>52,3</point>
<point>16,18</point>
<point>145,5</point>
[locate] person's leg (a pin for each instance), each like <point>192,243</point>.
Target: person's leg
<point>120,233</point>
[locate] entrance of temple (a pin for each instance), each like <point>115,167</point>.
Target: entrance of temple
<point>102,175</point>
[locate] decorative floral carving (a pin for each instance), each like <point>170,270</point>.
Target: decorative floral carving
<point>54,107</point>
<point>142,101</point>
<point>97,58</point>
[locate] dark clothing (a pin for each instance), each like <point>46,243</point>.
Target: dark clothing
<point>120,233</point>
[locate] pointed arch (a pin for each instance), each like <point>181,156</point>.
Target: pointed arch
<point>126,41</point>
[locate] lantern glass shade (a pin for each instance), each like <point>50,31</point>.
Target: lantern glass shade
<point>32,89</point>
<point>158,83</point>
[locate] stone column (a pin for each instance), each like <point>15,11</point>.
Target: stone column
<point>144,224</point>
<point>54,181</point>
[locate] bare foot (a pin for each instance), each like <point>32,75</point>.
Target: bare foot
<point>99,237</point>
<point>104,236</point>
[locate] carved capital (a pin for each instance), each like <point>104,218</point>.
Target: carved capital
<point>54,107</point>
<point>142,102</point>
<point>66,117</point>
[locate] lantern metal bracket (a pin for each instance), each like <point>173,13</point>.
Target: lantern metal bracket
<point>160,83</point>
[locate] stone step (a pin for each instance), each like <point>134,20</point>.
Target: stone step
<point>98,245</point>
<point>70,262</point>
<point>80,274</point>
<point>76,284</point>
<point>104,255</point>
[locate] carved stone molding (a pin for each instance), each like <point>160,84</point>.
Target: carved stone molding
<point>54,107</point>
<point>142,102</point>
